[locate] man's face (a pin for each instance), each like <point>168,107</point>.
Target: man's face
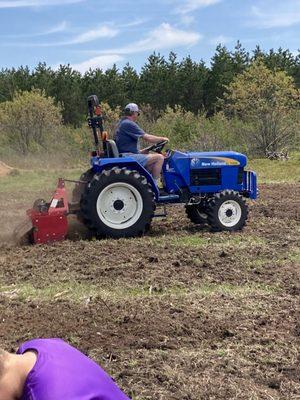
<point>135,115</point>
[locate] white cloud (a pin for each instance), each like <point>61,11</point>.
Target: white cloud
<point>57,28</point>
<point>101,32</point>
<point>187,19</point>
<point>102,62</point>
<point>189,6</point>
<point>276,16</point>
<point>134,23</point>
<point>35,3</point>
<point>163,37</point>
<point>85,37</point>
<point>61,27</point>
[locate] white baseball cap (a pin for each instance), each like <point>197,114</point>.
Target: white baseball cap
<point>132,107</point>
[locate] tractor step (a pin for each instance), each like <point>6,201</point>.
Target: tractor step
<point>168,198</point>
<point>160,215</point>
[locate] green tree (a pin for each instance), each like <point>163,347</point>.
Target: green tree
<point>43,78</point>
<point>225,66</point>
<point>113,90</point>
<point>282,60</point>
<point>29,122</point>
<point>172,84</point>
<point>269,101</point>
<point>153,82</point>
<point>220,75</point>
<point>12,80</point>
<point>192,78</point>
<point>130,80</point>
<point>92,82</point>
<point>66,89</point>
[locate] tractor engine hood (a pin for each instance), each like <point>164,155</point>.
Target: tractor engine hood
<point>216,159</point>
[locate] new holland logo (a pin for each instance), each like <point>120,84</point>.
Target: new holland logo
<point>212,162</point>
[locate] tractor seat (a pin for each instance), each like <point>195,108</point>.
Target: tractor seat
<point>112,149</point>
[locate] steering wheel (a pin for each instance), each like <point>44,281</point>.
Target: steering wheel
<point>157,147</point>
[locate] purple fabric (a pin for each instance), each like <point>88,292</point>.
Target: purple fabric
<point>63,373</point>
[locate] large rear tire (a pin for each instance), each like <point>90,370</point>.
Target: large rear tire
<point>227,211</point>
<point>118,203</point>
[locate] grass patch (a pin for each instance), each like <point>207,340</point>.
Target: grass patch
<point>277,171</point>
<point>28,181</point>
<point>84,293</point>
<point>189,240</point>
<point>203,239</point>
<point>294,255</point>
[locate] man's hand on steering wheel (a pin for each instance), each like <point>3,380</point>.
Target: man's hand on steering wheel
<point>157,147</point>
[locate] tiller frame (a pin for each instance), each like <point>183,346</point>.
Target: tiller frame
<point>49,221</point>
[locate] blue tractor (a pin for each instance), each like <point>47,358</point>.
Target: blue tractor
<point>118,197</point>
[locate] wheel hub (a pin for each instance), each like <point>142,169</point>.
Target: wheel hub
<point>230,213</point>
<point>119,205</point>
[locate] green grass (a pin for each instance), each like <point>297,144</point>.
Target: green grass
<point>217,241</point>
<point>277,171</point>
<point>294,255</point>
<point>28,181</point>
<point>83,293</point>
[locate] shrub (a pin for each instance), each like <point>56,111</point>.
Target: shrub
<point>180,126</point>
<point>30,122</point>
<point>188,131</point>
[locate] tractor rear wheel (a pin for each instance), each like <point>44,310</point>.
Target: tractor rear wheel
<point>118,203</point>
<point>196,213</point>
<point>227,211</point>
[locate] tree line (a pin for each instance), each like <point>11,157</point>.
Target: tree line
<point>162,82</point>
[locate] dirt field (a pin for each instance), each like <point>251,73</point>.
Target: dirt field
<point>181,314</point>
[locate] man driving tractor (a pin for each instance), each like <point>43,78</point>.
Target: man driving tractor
<point>127,135</point>
<point>51,369</point>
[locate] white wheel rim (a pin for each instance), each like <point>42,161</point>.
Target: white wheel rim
<point>230,213</point>
<point>119,205</point>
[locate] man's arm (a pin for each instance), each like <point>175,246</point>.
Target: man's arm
<point>154,139</point>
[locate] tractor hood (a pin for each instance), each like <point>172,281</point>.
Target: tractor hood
<point>216,159</point>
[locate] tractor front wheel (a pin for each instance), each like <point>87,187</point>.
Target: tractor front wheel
<point>196,213</point>
<point>118,203</point>
<point>227,211</point>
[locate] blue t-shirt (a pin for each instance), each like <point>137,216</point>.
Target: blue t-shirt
<point>127,136</point>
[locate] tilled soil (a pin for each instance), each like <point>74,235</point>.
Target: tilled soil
<point>179,314</point>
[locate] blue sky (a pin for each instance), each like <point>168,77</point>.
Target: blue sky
<point>97,33</point>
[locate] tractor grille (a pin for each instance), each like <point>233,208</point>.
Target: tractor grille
<point>205,177</point>
<point>240,176</point>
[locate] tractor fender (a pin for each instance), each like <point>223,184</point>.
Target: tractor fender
<point>99,164</point>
